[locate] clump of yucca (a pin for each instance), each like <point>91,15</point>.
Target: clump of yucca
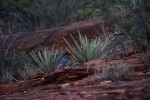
<point>47,60</point>
<point>85,50</point>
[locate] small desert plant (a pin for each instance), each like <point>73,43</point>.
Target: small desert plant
<point>85,50</point>
<point>47,60</point>
<point>120,71</point>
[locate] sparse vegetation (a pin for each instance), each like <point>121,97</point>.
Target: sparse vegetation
<point>12,66</point>
<point>115,72</point>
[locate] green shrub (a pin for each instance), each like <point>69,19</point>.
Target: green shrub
<point>47,60</point>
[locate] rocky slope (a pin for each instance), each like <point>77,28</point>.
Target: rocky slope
<point>79,84</point>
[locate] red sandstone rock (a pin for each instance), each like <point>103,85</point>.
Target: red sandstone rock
<point>63,76</point>
<point>35,40</point>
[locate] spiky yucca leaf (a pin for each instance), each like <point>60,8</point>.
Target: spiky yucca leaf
<point>85,50</point>
<point>46,60</point>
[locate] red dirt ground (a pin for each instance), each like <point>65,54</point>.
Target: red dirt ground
<point>81,86</point>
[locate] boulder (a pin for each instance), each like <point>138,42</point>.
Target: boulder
<point>54,36</point>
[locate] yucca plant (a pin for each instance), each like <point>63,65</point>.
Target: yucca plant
<point>47,60</point>
<point>85,50</point>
